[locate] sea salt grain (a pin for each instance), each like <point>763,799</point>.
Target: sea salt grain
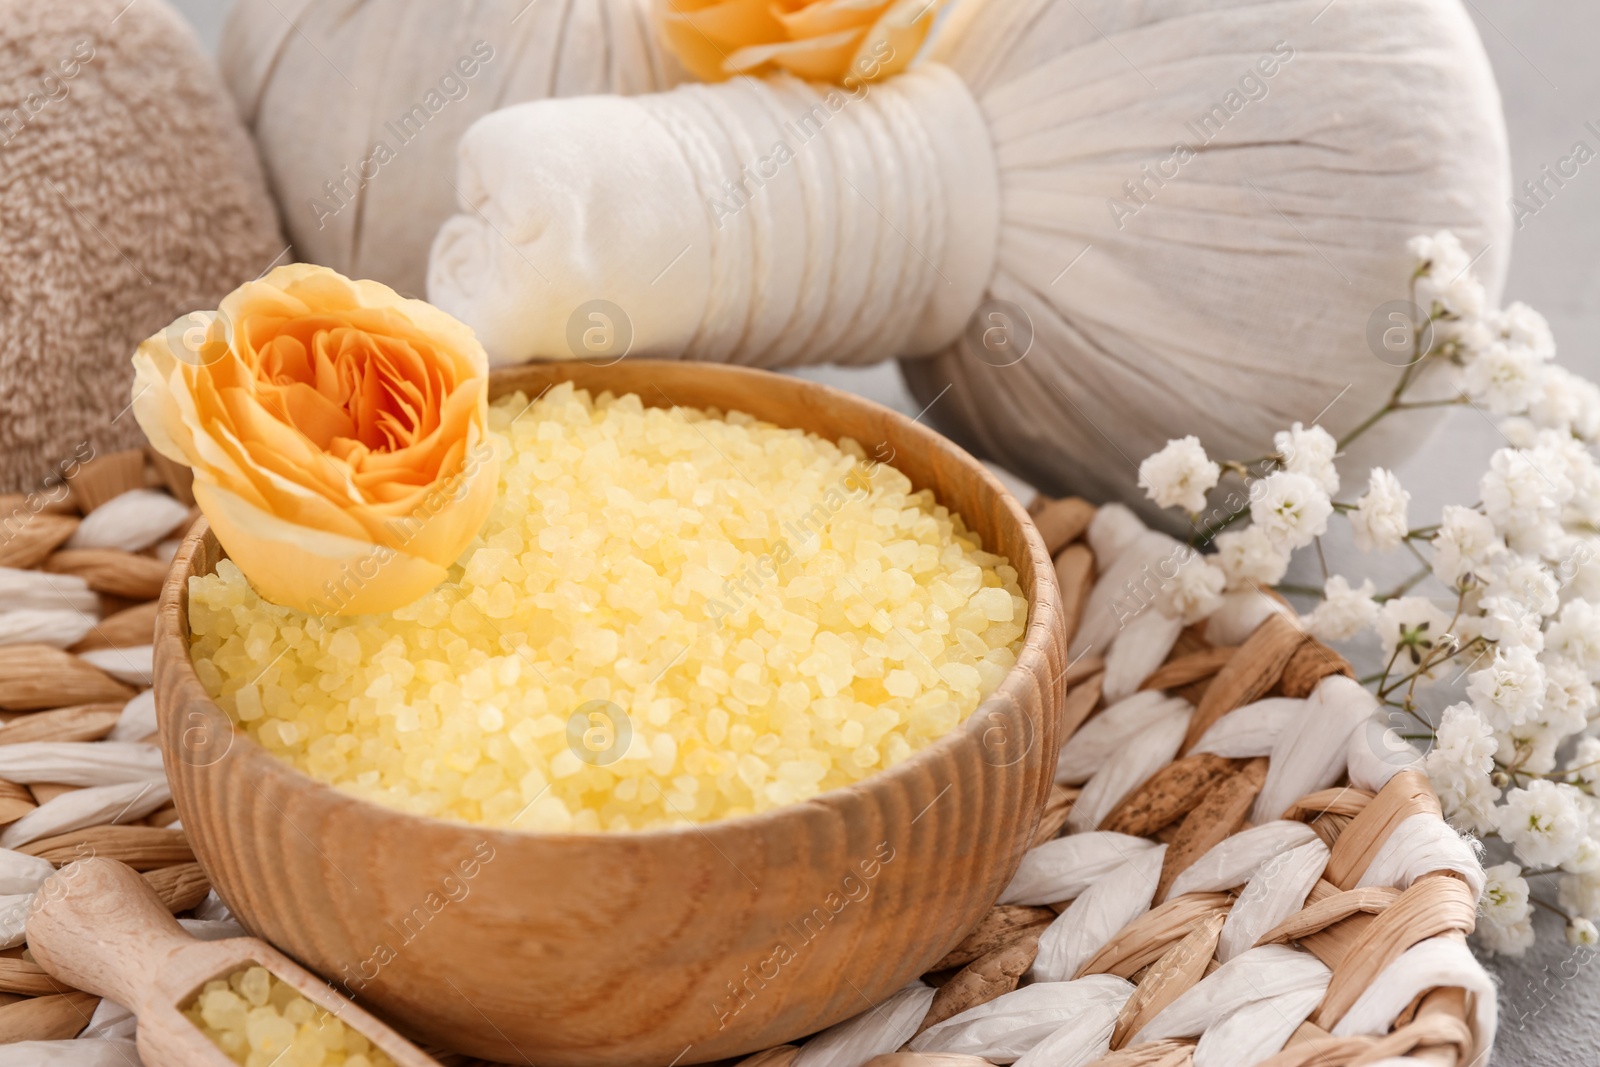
<point>757,614</point>
<point>259,1021</point>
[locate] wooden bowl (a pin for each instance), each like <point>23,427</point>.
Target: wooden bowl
<point>683,945</point>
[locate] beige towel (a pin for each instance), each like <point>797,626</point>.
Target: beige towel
<point>129,194</point>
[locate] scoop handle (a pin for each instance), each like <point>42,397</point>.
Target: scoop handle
<point>96,925</point>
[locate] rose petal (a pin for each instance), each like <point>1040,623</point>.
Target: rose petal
<point>309,570</point>
<point>824,58</point>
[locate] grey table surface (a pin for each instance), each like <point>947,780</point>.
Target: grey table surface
<point>1543,54</point>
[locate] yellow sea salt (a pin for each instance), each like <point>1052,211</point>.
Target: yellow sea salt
<point>670,615</point>
<point>260,1021</point>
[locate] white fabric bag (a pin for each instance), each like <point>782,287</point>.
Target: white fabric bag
<point>323,84</point>
<point>1104,224</point>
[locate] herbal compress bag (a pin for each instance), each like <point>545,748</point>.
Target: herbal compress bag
<point>357,107</point>
<point>1104,224</point>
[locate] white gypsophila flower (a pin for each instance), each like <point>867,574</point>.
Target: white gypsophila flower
<point>1575,564</point>
<point>1458,765</point>
<point>1543,822</point>
<point>1504,378</point>
<point>1180,475</point>
<point>1580,894</point>
<point>1439,254</point>
<point>1292,508</point>
<point>1523,500</point>
<point>1575,636</point>
<point>1519,324</point>
<point>1578,475</point>
<point>1194,592</point>
<point>1343,612</point>
<point>1510,691</point>
<point>1585,859</point>
<point>1569,695</point>
<point>1505,897</point>
<point>1464,338</point>
<point>1585,762</point>
<point>1467,797</point>
<point>1591,810</point>
<point>1507,622</point>
<point>1443,283</point>
<point>1464,545</point>
<point>1581,933</point>
<point>1512,940</point>
<point>1379,519</point>
<point>1409,630</point>
<point>1524,579</point>
<point>1248,557</point>
<point>1464,739</point>
<point>1530,746</point>
<point>1582,398</point>
<point>1460,297</point>
<point>1465,629</point>
<point>1309,451</point>
<point>1519,431</point>
<point>1565,402</point>
<point>1505,911</point>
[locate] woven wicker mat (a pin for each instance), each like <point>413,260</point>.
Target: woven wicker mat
<point>1371,883</point>
<point>53,694</point>
<point>1356,883</point>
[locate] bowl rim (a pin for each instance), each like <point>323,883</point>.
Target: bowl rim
<point>1044,613</point>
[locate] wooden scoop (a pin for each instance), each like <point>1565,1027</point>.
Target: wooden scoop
<point>98,926</point>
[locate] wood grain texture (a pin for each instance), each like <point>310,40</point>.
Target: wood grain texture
<point>98,926</point>
<point>649,947</point>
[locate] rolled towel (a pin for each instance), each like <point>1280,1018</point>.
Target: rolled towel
<point>1190,208</point>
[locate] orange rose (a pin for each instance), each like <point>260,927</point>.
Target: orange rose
<point>819,40</point>
<point>336,431</point>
